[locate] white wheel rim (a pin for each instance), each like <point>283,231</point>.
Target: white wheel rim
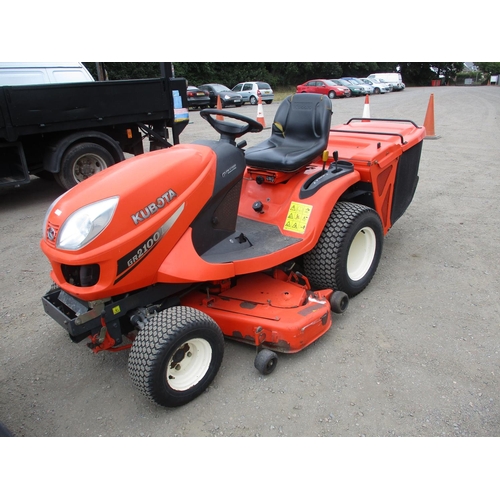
<point>361,253</point>
<point>189,364</point>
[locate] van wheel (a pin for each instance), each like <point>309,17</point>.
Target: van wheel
<point>348,251</point>
<point>82,161</point>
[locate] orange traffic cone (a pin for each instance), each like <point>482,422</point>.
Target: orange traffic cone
<point>219,106</point>
<point>429,120</point>
<point>260,113</point>
<point>366,108</point>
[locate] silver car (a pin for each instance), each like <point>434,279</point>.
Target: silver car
<point>251,91</point>
<point>379,86</point>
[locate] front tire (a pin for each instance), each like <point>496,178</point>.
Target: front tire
<point>331,94</point>
<point>82,161</point>
<point>176,356</point>
<point>348,251</point>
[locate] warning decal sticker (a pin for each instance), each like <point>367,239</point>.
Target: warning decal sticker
<point>298,217</point>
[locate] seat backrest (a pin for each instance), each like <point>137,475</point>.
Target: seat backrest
<point>299,134</point>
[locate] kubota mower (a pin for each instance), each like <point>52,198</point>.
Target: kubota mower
<point>169,252</point>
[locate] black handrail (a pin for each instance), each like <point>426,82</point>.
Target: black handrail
<point>377,133</point>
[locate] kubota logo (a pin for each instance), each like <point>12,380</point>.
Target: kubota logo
<point>152,208</point>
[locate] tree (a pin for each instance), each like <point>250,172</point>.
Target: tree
<point>422,73</point>
<point>126,70</point>
<point>361,70</point>
<point>492,68</point>
<point>284,74</point>
<point>449,70</point>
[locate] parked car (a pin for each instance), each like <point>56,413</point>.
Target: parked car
<point>326,87</point>
<point>251,91</point>
<point>227,97</point>
<point>356,90</point>
<point>379,87</point>
<point>394,79</point>
<point>367,87</point>
<point>197,98</point>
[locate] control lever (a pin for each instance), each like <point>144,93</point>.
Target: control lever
<point>336,159</point>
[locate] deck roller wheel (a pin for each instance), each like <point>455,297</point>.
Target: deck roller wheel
<point>266,361</point>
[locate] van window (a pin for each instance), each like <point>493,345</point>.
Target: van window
<point>69,75</point>
<point>41,73</point>
<point>22,77</point>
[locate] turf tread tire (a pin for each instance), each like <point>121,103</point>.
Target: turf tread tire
<point>155,344</point>
<point>326,264</point>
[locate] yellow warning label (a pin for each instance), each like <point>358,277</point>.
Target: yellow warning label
<point>116,310</point>
<point>298,217</point>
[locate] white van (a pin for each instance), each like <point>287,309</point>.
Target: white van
<point>393,78</point>
<point>34,73</point>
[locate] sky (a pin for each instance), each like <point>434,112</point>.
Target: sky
<point>227,31</point>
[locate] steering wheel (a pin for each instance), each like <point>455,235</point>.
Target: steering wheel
<point>230,130</point>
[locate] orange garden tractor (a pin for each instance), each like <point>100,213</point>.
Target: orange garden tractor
<point>171,251</point>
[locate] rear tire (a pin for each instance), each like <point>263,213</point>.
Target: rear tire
<point>82,161</point>
<point>253,100</point>
<point>176,356</point>
<point>348,251</point>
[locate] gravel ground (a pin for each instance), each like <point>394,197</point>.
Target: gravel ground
<point>416,354</point>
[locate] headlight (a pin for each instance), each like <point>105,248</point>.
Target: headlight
<point>82,226</point>
<point>226,97</point>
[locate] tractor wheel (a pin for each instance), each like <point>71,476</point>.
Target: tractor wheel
<point>339,302</point>
<point>348,251</point>
<point>175,357</point>
<point>81,161</point>
<point>266,361</point>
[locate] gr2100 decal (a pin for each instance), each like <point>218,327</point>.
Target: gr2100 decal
<point>129,261</point>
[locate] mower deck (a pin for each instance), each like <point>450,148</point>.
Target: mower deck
<point>267,311</point>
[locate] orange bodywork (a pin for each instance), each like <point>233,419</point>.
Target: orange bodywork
<point>149,240</point>
<point>272,311</point>
<point>140,182</point>
<point>376,156</point>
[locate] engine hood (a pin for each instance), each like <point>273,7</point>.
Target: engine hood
<point>159,194</point>
<point>149,188</point>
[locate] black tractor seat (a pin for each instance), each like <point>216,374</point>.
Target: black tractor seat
<point>299,134</point>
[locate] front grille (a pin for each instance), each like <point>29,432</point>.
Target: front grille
<point>82,276</point>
